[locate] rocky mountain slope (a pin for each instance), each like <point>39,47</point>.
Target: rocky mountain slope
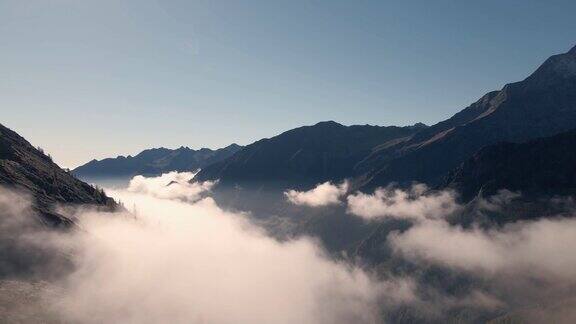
<point>26,168</point>
<point>154,162</point>
<point>305,156</point>
<point>541,167</point>
<point>542,105</point>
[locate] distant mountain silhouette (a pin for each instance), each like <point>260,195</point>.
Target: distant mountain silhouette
<point>306,155</point>
<point>541,167</point>
<point>154,162</point>
<point>26,168</point>
<point>542,105</point>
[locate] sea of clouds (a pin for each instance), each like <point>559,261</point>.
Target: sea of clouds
<point>176,257</point>
<point>527,265</point>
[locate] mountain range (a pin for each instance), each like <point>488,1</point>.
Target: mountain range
<point>307,155</point>
<point>154,161</point>
<point>506,139</point>
<point>544,104</point>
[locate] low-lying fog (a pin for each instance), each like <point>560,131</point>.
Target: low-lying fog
<point>179,258</point>
<point>176,257</point>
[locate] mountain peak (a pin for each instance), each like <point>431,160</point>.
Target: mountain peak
<point>328,123</point>
<point>232,146</point>
<point>556,68</point>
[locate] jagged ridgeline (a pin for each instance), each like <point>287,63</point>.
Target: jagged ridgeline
<point>542,105</point>
<point>154,162</point>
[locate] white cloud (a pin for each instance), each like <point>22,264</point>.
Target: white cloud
<point>172,185</point>
<point>539,248</point>
<point>527,267</point>
<point>322,195</point>
<point>542,249</point>
<point>416,203</point>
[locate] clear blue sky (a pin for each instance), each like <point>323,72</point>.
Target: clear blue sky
<point>91,79</point>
